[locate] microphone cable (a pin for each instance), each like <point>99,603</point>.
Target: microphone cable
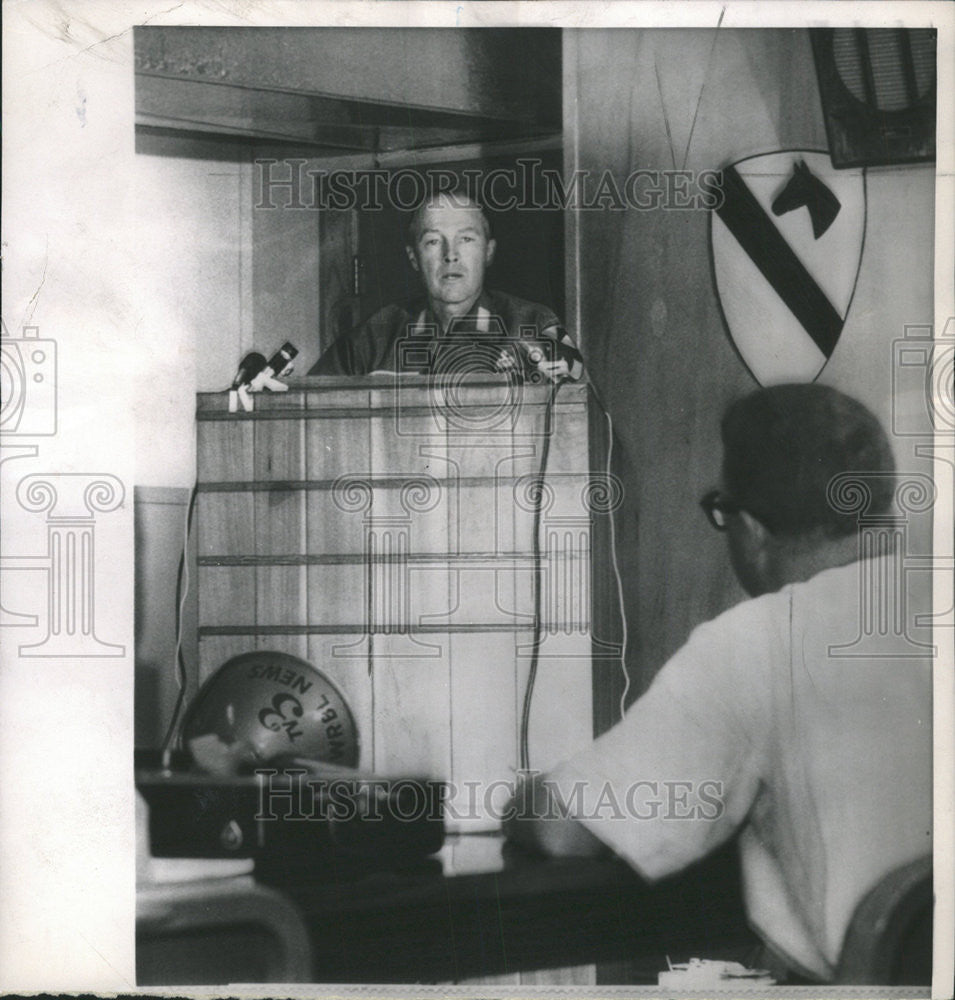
<point>537,497</point>
<point>615,566</point>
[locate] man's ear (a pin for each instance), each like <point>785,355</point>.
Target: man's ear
<point>489,252</point>
<point>760,547</point>
<point>760,536</point>
<point>412,257</point>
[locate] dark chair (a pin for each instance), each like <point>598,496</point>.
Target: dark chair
<point>219,931</point>
<point>889,940</point>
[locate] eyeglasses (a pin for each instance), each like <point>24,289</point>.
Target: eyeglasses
<point>718,509</point>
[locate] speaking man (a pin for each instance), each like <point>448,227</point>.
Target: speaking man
<point>773,720</point>
<point>459,325</point>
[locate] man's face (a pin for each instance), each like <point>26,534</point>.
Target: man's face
<point>747,540</point>
<point>452,252</point>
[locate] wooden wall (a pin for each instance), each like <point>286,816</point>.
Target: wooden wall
<point>286,291</point>
<point>194,254</point>
<point>160,527</point>
<point>645,305</point>
<point>496,73</point>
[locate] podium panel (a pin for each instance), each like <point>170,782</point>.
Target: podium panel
<point>382,528</point>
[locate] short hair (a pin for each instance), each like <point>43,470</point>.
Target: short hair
<point>459,195</point>
<point>783,445</point>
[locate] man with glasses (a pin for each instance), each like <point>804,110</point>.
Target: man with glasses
<point>773,721</point>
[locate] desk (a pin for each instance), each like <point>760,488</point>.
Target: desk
<point>479,908</point>
<point>483,907</point>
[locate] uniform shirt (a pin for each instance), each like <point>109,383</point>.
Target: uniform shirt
<point>408,338</point>
<point>823,762</point>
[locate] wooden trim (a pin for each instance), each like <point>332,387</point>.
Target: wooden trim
<point>246,255</point>
<point>382,483</point>
<point>398,383</point>
<point>469,151</point>
<point>398,158</point>
<point>369,412</point>
<point>493,559</point>
<point>364,629</point>
<point>607,677</point>
<point>571,144</point>
<point>176,496</point>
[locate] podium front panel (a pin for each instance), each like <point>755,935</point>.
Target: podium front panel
<point>382,528</point>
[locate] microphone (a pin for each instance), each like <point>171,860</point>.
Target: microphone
<point>255,374</point>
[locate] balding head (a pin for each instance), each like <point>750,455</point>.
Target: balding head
<point>450,246</point>
<point>783,447</point>
<point>456,199</point>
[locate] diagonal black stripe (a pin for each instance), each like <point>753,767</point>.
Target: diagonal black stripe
<point>756,234</point>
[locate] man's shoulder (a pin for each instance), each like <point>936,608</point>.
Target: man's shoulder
<point>513,308</point>
<point>750,613</point>
<point>369,345</point>
<point>768,623</point>
<point>393,314</point>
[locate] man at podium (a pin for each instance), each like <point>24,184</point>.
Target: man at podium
<point>459,326</point>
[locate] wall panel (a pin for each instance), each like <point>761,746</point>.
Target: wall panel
<point>649,320</point>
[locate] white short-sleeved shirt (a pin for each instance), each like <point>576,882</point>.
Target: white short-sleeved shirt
<point>824,760</point>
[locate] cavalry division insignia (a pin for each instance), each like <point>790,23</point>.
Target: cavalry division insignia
<point>787,244</point>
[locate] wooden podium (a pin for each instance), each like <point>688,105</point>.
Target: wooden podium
<point>382,528</point>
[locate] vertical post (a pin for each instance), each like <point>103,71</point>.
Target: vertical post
<point>571,165</point>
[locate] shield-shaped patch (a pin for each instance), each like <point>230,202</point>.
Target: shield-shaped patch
<point>787,243</point>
